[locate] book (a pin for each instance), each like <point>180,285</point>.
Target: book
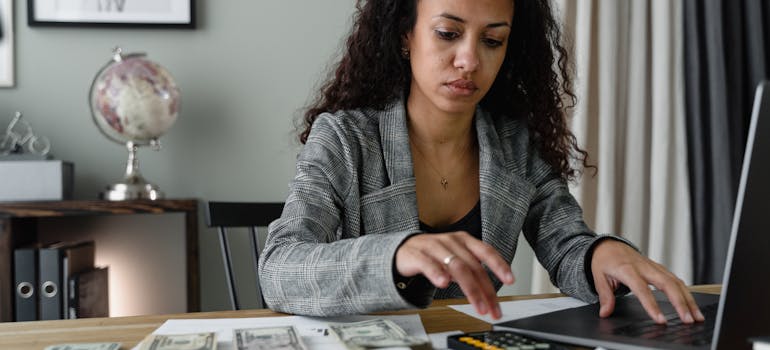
<point>25,283</point>
<point>89,294</point>
<point>56,262</point>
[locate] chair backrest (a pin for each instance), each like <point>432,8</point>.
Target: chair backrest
<point>224,215</point>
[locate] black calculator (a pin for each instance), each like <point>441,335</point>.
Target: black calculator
<point>498,340</point>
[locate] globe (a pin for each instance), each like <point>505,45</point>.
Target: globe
<point>133,102</point>
<point>134,99</point>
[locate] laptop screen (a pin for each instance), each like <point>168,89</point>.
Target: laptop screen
<point>745,302</point>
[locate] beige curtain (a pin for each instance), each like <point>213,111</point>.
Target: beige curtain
<point>630,118</point>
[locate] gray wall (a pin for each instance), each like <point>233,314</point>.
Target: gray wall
<point>244,74</point>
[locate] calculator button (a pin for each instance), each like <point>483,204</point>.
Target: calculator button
<point>498,340</point>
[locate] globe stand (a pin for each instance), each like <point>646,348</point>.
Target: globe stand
<point>133,186</point>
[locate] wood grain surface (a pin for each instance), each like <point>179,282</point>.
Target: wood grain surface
<point>129,331</point>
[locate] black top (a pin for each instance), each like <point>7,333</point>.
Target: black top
<point>470,223</point>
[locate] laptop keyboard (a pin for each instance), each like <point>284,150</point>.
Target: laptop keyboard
<point>699,333</point>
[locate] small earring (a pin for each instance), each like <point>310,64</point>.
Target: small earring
<point>405,53</point>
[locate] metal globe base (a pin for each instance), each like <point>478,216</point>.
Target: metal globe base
<point>123,192</point>
<point>133,186</point>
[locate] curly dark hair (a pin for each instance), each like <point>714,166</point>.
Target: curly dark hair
<point>534,79</point>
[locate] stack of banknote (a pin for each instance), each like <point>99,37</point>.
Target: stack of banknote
<point>195,341</point>
<point>268,338</point>
<point>85,346</point>
<point>371,334</point>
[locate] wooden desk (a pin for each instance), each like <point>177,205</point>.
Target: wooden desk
<point>18,226</point>
<point>131,330</point>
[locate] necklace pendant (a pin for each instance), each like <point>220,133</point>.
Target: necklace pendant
<point>444,183</point>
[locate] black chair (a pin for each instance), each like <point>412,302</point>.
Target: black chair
<point>224,215</point>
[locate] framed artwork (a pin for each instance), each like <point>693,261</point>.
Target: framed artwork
<point>6,43</point>
<point>112,13</point>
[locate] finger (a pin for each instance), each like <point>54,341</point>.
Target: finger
<point>462,251</point>
<point>641,289</point>
<point>689,300</point>
<point>675,290</point>
<point>476,287</point>
<point>606,295</point>
<point>491,258</point>
<point>689,303</point>
<point>412,260</point>
<point>481,275</point>
<point>694,308</point>
<point>432,269</point>
<point>439,251</point>
<point>678,301</point>
<point>430,262</point>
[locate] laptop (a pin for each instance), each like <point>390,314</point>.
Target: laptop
<point>741,312</point>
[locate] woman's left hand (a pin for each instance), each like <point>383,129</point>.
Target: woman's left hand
<point>615,262</point>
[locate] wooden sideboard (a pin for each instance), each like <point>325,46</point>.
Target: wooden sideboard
<point>18,226</point>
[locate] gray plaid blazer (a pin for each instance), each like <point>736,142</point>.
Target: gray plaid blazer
<point>353,202</point>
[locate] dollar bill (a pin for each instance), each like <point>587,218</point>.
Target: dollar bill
<point>85,346</point>
<point>268,338</point>
<point>372,334</point>
<point>196,341</point>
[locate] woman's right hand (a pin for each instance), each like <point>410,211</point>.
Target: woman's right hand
<point>458,257</point>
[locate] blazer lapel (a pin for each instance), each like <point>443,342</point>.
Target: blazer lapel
<point>394,137</point>
<point>398,198</point>
<point>505,196</point>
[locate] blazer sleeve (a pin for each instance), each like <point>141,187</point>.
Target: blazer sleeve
<point>561,240</point>
<point>310,264</point>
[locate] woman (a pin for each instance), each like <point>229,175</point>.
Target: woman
<point>439,138</point>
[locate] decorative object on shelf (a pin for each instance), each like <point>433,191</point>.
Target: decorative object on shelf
<point>133,102</point>
<point>112,13</point>
<point>19,142</point>
<point>36,180</point>
<point>28,171</point>
<point>6,43</point>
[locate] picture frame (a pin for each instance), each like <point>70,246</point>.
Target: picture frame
<point>6,44</point>
<point>112,13</point>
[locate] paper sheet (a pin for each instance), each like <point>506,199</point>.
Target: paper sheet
<point>313,330</point>
<point>513,310</point>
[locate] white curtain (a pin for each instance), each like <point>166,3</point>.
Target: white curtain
<point>630,118</point>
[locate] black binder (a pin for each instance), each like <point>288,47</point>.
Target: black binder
<point>89,294</point>
<point>25,283</point>
<point>56,263</point>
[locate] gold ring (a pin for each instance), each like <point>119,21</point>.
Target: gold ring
<point>448,259</point>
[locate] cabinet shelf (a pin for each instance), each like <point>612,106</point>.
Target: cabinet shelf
<point>18,226</point>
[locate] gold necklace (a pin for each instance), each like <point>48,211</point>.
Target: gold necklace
<point>444,182</point>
